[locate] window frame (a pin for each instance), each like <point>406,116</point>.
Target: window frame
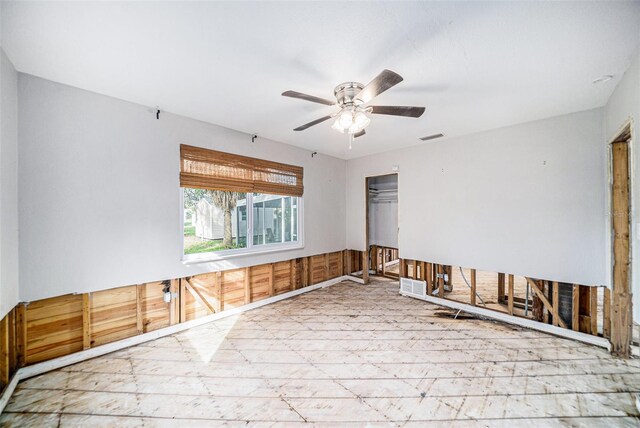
<point>250,248</point>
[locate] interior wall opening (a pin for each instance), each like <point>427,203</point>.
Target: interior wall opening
<point>382,229</point>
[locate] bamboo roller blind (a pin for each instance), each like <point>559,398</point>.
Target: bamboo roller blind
<point>210,169</point>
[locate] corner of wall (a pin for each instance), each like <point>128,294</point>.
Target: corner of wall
<point>9,293</point>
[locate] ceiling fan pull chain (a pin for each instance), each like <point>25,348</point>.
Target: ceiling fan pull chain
<point>350,140</point>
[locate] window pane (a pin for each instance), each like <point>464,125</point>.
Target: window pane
<point>258,222</point>
<point>214,220</point>
<point>294,219</point>
<point>287,219</point>
<point>273,219</point>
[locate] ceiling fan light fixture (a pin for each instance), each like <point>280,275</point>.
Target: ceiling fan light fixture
<point>351,121</point>
<point>346,119</point>
<point>336,125</point>
<point>360,121</point>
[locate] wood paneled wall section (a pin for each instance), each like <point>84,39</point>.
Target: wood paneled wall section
<point>54,328</point>
<point>49,328</point>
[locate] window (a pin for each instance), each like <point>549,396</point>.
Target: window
<point>230,204</point>
<point>217,221</point>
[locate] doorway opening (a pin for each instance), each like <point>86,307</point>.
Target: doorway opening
<point>382,225</point>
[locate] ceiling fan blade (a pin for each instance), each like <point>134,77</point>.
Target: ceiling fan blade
<point>315,122</point>
<point>359,134</point>
<point>378,85</point>
<point>398,110</point>
<point>300,95</point>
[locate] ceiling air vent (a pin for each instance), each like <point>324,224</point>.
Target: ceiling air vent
<point>432,137</point>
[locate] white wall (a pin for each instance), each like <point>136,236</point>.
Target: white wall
<point>526,199</point>
<point>8,185</point>
<point>100,199</point>
<point>624,105</point>
<point>383,224</point>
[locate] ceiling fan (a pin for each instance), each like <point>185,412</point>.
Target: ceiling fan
<point>351,97</point>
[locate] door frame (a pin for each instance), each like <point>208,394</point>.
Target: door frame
<point>627,128</point>
<point>366,257</point>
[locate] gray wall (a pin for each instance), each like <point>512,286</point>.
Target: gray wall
<point>624,105</point>
<point>526,199</point>
<point>100,196</point>
<point>8,185</point>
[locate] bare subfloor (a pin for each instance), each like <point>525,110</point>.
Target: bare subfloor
<point>344,355</point>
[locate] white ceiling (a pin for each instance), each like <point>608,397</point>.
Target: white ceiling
<point>475,66</point>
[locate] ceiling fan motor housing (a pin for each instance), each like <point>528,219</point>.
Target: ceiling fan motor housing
<point>346,93</point>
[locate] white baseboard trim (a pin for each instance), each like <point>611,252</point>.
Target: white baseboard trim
<point>57,363</point>
<point>355,279</point>
<point>8,390</point>
<point>522,322</point>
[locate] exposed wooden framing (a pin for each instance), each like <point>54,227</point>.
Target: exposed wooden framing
<point>555,300</point>
<point>621,315</point>
<point>374,259</point>
<point>544,300</point>
<point>401,268</point>
<point>349,262</point>
<point>415,269</point>
<point>13,365</point>
<point>139,296</point>
<point>5,364</point>
<point>440,281</point>
<point>584,319</point>
<point>593,309</point>
<point>305,271</point>
<point>86,321</point>
<point>217,286</point>
<point>365,266</point>
<point>384,261</point>
<point>429,278</point>
<point>473,287</point>
<point>292,274</point>
<point>183,299</point>
<point>575,308</point>
<point>173,305</point>
<point>500,287</point>
<point>272,290</point>
<point>546,314</point>
<point>75,357</point>
<point>199,297</point>
<point>247,285</point>
<point>341,263</point>
<point>606,313</point>
<point>510,298</point>
<point>309,270</point>
<point>326,266</point>
<point>21,334</point>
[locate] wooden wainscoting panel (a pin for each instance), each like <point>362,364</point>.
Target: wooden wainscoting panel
<point>155,312</point>
<point>259,277</point>
<point>200,295</point>
<point>334,264</point>
<point>54,327</point>
<point>318,270</point>
<point>113,315</point>
<point>282,277</point>
<point>233,288</point>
